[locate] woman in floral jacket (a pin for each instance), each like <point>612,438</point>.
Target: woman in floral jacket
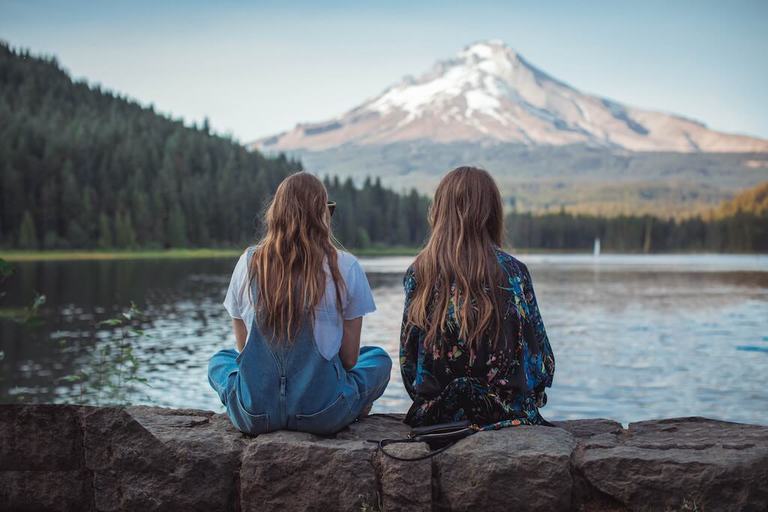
<point>473,345</point>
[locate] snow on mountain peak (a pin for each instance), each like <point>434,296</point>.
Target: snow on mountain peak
<point>472,76</point>
<point>487,50</point>
<point>489,93</point>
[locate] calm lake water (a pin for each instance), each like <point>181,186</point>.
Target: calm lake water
<point>635,337</point>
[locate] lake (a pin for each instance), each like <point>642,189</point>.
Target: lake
<point>635,337</point>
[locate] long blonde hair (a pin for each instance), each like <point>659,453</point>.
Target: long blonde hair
<point>458,267</point>
<point>288,263</point>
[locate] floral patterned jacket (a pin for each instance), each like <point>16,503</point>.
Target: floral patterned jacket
<point>502,386</point>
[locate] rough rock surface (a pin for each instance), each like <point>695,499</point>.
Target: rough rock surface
<point>42,462</point>
<point>671,464</point>
<point>510,469</point>
<point>151,459</point>
<point>59,457</point>
<point>296,471</point>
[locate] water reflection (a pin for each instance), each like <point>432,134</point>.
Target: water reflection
<point>634,337</point>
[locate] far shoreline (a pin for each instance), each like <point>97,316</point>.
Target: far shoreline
<point>15,256</point>
<point>19,256</point>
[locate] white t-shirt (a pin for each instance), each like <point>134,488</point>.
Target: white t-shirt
<point>329,322</point>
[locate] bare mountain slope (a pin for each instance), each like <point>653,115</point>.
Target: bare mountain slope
<point>490,94</point>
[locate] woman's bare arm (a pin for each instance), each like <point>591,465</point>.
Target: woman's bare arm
<point>350,342</point>
<point>241,333</point>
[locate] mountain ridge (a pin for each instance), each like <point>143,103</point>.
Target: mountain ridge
<point>489,93</point>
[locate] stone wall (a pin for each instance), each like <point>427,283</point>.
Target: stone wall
<point>58,457</point>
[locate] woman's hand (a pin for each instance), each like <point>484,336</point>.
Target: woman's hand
<point>350,342</point>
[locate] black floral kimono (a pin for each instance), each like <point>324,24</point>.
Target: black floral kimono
<point>495,388</point>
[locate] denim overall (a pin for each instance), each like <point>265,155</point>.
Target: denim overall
<point>272,385</point>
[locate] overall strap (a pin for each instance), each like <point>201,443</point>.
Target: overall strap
<point>444,436</point>
<point>249,252</point>
<point>254,289</point>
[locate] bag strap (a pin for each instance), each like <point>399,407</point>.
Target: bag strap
<point>386,442</point>
<point>456,435</point>
<point>425,438</point>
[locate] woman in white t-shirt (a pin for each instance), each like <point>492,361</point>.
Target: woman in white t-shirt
<point>297,307</point>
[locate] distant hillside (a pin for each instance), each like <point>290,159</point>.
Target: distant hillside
<point>540,179</point>
<point>81,167</point>
<point>753,200</point>
<point>737,225</point>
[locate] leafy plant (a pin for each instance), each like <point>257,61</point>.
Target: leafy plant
<point>5,272</point>
<point>115,371</point>
<point>30,315</point>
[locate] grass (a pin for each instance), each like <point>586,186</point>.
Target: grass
<point>181,254</point>
<point>63,255</point>
<point>73,255</point>
<point>386,251</point>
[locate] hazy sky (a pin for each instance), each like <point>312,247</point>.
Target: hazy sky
<point>256,68</point>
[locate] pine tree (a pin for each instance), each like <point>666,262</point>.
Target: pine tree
<point>27,232</point>
<point>125,237</point>
<point>70,193</point>
<point>105,232</point>
<point>77,237</point>
<point>12,201</point>
<point>362,240</point>
<point>177,231</point>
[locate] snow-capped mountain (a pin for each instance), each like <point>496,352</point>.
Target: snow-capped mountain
<point>489,93</point>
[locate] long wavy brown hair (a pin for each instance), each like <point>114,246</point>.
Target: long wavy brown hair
<point>288,264</point>
<point>458,267</point>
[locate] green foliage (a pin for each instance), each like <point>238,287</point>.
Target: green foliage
<point>374,215</point>
<point>105,232</point>
<point>105,171</point>
<point>28,316</point>
<point>115,372</point>
<point>593,180</point>
<point>177,230</point>
<point>125,237</point>
<point>27,232</point>
<point>5,270</point>
<point>109,173</point>
<point>753,200</point>
<point>742,232</point>
<point>31,316</point>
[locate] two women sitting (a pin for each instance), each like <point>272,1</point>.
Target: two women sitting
<point>472,346</point>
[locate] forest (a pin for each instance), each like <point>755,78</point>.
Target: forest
<point>85,168</point>
<point>82,167</point>
<point>745,232</point>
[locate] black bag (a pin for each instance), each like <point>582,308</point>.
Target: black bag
<point>438,437</point>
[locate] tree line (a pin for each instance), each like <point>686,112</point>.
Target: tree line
<point>373,215</point>
<point>742,231</point>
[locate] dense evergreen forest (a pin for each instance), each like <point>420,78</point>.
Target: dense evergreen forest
<point>81,167</point>
<point>738,225</point>
<point>740,232</point>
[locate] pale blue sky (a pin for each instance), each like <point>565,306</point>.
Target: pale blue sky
<point>256,68</point>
